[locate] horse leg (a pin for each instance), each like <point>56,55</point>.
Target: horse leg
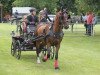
<point>56,57</point>
<point>38,58</point>
<point>37,52</point>
<point>48,52</point>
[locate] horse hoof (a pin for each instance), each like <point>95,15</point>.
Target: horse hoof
<point>44,60</point>
<point>57,68</point>
<point>38,62</point>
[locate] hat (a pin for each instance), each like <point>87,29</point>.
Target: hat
<point>41,12</point>
<point>33,9</point>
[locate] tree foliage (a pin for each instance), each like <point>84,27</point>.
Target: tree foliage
<point>7,5</point>
<point>39,4</point>
<point>88,5</point>
<point>75,6</point>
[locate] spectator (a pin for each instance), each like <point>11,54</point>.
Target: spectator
<point>16,17</point>
<point>85,22</point>
<point>16,14</point>
<point>94,20</point>
<point>90,23</point>
<point>69,18</point>
<point>82,17</point>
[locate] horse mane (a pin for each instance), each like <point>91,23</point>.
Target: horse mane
<point>56,22</point>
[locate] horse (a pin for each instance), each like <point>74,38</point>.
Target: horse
<point>53,35</point>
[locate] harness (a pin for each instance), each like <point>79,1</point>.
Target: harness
<point>51,33</point>
<point>56,35</point>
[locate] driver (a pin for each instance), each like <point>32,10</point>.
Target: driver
<point>32,19</point>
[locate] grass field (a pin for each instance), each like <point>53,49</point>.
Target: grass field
<point>78,55</point>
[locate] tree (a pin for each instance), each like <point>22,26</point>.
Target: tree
<point>7,6</point>
<point>50,4</point>
<point>39,4</point>
<point>88,5</point>
<point>75,6</point>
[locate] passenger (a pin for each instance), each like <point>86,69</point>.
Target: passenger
<point>42,17</point>
<point>24,26</point>
<point>46,14</point>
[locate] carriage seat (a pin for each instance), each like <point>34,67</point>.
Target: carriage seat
<point>28,28</point>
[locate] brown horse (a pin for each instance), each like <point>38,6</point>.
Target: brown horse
<point>53,35</point>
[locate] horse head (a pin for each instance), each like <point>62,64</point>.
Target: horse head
<point>63,19</point>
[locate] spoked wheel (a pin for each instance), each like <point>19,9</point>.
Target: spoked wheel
<point>52,52</point>
<point>43,52</point>
<point>18,50</point>
<point>19,30</point>
<point>12,49</point>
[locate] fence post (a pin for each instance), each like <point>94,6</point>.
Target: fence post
<point>72,28</point>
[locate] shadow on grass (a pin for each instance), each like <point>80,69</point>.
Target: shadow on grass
<point>32,59</point>
<point>28,58</point>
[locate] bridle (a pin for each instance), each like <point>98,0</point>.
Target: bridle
<point>63,19</point>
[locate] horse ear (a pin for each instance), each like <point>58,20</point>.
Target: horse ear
<point>61,9</point>
<point>58,9</point>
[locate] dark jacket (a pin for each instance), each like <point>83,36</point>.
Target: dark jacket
<point>43,20</point>
<point>32,20</point>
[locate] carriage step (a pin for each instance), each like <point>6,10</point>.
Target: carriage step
<point>29,50</point>
<point>34,48</point>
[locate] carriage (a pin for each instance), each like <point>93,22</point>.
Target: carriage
<point>52,35</point>
<point>25,41</point>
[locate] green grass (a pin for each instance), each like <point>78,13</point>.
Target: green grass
<point>78,55</point>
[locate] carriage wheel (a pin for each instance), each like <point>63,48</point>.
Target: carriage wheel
<point>18,49</point>
<point>52,52</point>
<point>20,30</point>
<point>12,49</point>
<point>44,52</point>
